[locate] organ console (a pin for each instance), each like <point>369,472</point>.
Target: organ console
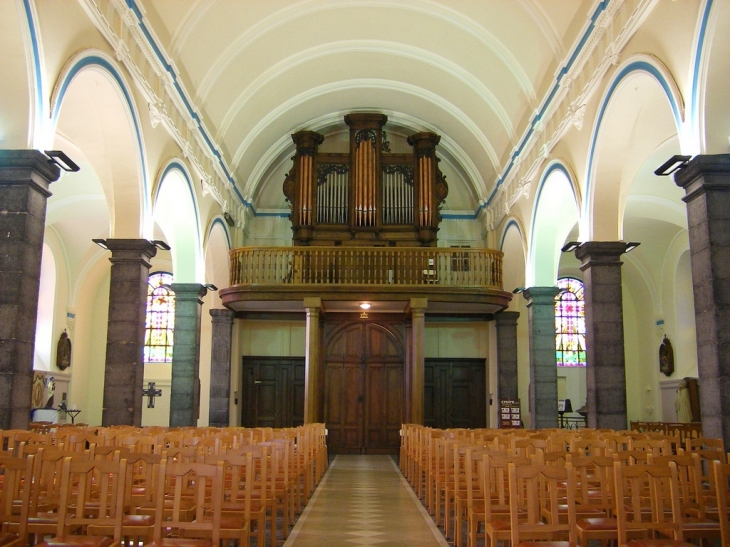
<point>368,196</point>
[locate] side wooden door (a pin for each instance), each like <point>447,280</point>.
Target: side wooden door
<point>455,393</point>
<point>273,392</point>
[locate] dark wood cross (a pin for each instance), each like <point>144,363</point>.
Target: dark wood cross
<point>151,393</point>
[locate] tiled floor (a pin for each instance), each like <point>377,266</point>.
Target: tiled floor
<point>364,500</point>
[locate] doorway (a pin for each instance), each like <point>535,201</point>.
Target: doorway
<point>273,391</point>
<point>455,393</point>
<point>363,386</point>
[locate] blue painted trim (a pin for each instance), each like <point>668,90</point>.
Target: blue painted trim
<point>511,223</point>
<point>275,215</point>
<point>698,60</point>
<point>95,60</point>
<point>458,216</point>
<point>660,322</point>
<point>219,220</point>
<point>636,66</point>
<point>175,165</point>
<point>40,114</point>
<point>546,103</point>
<point>168,68</point>
<point>70,315</point>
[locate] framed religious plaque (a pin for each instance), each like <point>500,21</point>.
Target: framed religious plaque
<point>666,357</point>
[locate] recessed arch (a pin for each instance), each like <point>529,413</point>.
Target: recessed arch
<point>609,120</point>
<point>99,62</point>
<point>175,205</point>
<point>554,215</point>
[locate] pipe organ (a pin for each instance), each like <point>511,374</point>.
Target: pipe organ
<point>368,196</point>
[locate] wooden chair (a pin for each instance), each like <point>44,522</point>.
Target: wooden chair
<point>659,527</point>
<point>721,476</point>
<point>497,523</point>
<point>532,489</point>
<point>172,529</point>
<point>17,477</point>
<point>92,493</point>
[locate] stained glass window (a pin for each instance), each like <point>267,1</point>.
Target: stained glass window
<point>570,324</point>
<point>160,322</point>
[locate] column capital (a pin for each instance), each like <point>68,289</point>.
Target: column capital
<point>222,315</point>
<point>507,318</point>
<point>28,166</point>
<point>417,306</point>
<point>131,250</point>
<point>600,253</point>
<point>704,172</point>
<point>540,295</point>
<point>312,302</point>
<point>189,291</point>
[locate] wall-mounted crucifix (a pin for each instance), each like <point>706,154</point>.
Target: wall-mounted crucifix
<point>151,393</point>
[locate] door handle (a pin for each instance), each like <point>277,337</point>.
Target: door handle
<point>257,381</point>
<point>359,399</point>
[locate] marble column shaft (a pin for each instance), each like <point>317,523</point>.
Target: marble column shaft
<point>604,315</point>
<point>185,385</point>
<point>313,360</point>
<point>24,179</point>
<point>706,182</point>
<point>507,386</point>
<point>543,368</point>
<point>220,366</point>
<point>124,368</point>
<point>418,359</point>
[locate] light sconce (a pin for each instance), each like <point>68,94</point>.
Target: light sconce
<point>570,246</point>
<point>631,245</point>
<point>160,244</point>
<point>365,306</point>
<point>101,243</point>
<point>62,160</point>
<point>675,163</point>
<point>518,290</point>
<point>210,287</point>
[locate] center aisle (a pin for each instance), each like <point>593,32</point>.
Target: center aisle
<point>364,500</point>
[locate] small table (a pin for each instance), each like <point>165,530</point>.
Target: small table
<point>73,414</point>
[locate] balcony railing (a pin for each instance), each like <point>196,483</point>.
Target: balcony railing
<point>366,266</point>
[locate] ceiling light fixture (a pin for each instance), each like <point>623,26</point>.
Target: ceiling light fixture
<point>101,243</point>
<point>570,246</point>
<point>62,160</point>
<point>518,290</point>
<point>631,245</point>
<point>675,163</point>
<point>365,306</point>
<point>210,287</point>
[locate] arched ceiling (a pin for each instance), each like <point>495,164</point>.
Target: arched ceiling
<point>473,71</point>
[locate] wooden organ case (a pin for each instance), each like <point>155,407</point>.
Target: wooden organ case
<point>368,196</point>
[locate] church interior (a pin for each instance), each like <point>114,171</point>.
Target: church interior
<point>452,214</point>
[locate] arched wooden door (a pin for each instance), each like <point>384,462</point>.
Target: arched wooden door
<point>363,392</point>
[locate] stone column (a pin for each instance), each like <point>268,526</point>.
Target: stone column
<point>24,179</point>
<point>604,314</point>
<point>220,366</point>
<point>706,182</point>
<point>312,360</point>
<point>185,385</point>
<point>418,358</point>
<point>507,355</point>
<point>124,369</point>
<point>543,367</point>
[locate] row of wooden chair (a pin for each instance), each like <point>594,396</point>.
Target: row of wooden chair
<point>137,494</point>
<point>462,478</point>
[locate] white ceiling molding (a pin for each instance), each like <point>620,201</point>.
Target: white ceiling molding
<point>561,110</point>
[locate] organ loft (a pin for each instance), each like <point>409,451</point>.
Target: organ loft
<point>367,196</point>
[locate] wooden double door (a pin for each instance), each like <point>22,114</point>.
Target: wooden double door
<point>455,393</point>
<point>273,392</point>
<point>363,386</point>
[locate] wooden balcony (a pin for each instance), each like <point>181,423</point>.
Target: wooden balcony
<point>454,280</point>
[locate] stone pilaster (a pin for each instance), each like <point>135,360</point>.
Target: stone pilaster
<point>604,314</point>
<point>124,368</point>
<point>24,179</point>
<point>506,355</point>
<point>312,361</point>
<point>220,366</point>
<point>185,385</point>
<point>418,358</point>
<point>543,367</point>
<point>706,182</point>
